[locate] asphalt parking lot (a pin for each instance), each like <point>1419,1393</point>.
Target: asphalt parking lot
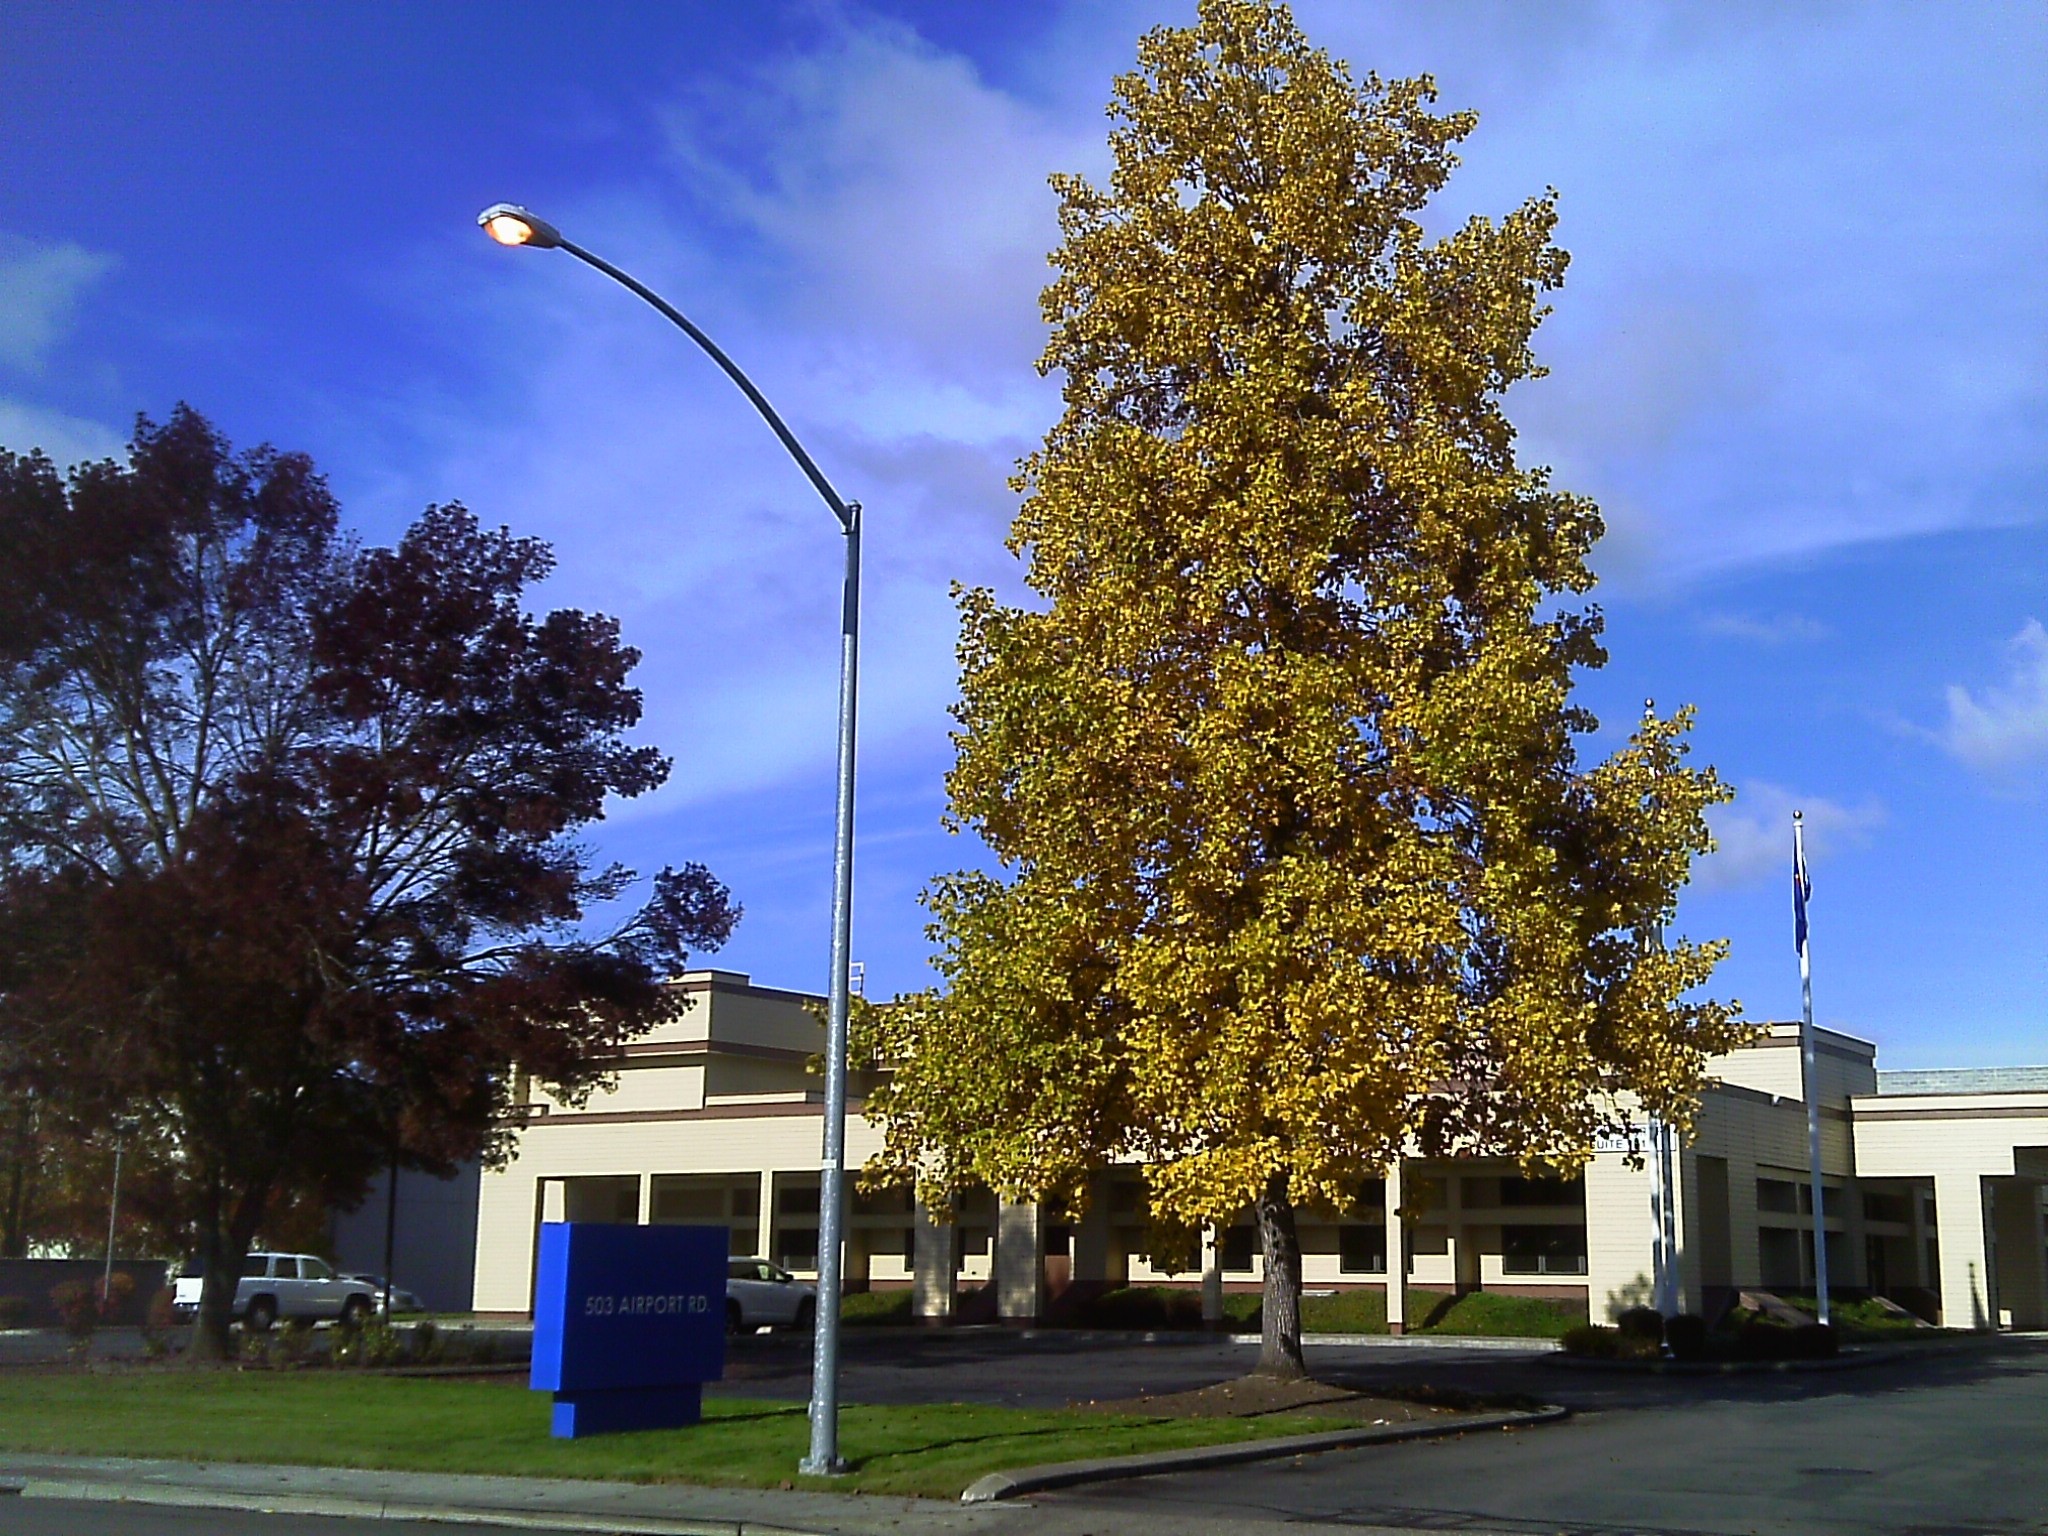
<point>1942,1440</point>
<point>1939,1444</point>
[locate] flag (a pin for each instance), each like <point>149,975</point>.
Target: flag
<point>1802,888</point>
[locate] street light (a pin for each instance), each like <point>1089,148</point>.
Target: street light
<point>509,224</point>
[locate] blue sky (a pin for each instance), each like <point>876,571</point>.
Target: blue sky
<point>1802,362</point>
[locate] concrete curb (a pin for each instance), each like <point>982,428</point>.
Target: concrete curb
<point>339,1505</point>
<point>1069,1474</point>
<point>1516,1344</point>
<point>1714,1367</point>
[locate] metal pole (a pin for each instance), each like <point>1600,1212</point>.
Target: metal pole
<point>824,1452</point>
<point>1811,1075</point>
<point>390,1229</point>
<point>824,1455</point>
<point>113,1208</point>
<point>1667,1214</point>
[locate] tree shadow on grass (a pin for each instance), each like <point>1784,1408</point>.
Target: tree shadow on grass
<point>961,1441</point>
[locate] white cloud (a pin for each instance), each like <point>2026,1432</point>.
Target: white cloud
<point>2007,727</point>
<point>880,287</point>
<point>1780,629</point>
<point>905,196</point>
<point>68,440</point>
<point>40,286</point>
<point>1754,833</point>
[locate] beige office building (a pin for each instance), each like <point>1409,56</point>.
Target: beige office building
<point>1934,1191</point>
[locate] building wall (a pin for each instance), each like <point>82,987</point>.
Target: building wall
<point>434,1252</point>
<point>714,1117</point>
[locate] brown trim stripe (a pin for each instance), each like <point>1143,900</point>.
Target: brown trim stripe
<point>1984,1112</point>
<point>646,1048</point>
<point>656,1116</point>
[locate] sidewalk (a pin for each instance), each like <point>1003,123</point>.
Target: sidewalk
<point>612,1509</point>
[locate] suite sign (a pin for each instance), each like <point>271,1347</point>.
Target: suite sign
<point>628,1324</point>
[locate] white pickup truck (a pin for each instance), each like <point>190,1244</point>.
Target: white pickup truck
<point>292,1286</point>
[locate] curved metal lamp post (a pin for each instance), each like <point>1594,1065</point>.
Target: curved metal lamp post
<point>509,224</point>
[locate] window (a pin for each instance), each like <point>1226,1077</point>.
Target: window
<point>1782,1257</point>
<point>1883,1207</point>
<point>1515,1190</point>
<point>256,1266</point>
<point>311,1268</point>
<point>1780,1195</point>
<point>1239,1244</point>
<point>797,1247</point>
<point>1543,1250</point>
<point>1362,1250</point>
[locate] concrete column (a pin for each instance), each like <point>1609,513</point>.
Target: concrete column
<point>1212,1279</point>
<point>1020,1262</point>
<point>1960,1232</point>
<point>646,1199</point>
<point>1397,1253</point>
<point>554,1200</point>
<point>1917,1206</point>
<point>1464,1262</point>
<point>2020,1286</point>
<point>1745,1245</point>
<point>934,1289</point>
<point>1091,1241</point>
<point>764,1218</point>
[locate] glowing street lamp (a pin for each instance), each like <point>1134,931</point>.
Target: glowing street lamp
<point>511,225</point>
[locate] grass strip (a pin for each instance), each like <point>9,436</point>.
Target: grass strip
<point>334,1419</point>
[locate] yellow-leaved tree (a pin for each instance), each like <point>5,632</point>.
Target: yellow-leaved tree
<point>1299,864</point>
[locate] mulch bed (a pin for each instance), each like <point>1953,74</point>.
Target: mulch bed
<point>1253,1396</point>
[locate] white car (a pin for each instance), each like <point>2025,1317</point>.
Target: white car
<point>759,1294</point>
<point>297,1287</point>
<point>402,1300</point>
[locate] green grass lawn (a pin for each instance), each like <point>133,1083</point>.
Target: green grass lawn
<point>1490,1313</point>
<point>330,1418</point>
<point>1494,1314</point>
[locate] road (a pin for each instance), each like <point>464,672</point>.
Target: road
<point>1955,1445</point>
<point>1942,1443</point>
<point>66,1517</point>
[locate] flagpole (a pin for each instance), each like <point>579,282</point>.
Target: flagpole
<point>1800,889</point>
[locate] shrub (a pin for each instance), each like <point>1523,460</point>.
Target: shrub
<point>157,1322</point>
<point>868,1309</point>
<point>13,1311</point>
<point>1642,1323</point>
<point>425,1345</point>
<point>1687,1336</point>
<point>1592,1342</point>
<point>291,1344</point>
<point>1815,1341</point>
<point>1143,1307</point>
<point>82,1305</point>
<point>1758,1338</point>
<point>376,1343</point>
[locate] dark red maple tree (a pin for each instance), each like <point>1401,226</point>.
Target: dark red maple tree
<point>288,872</point>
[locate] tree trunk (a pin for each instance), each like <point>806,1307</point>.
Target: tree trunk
<point>222,1271</point>
<point>1280,1326</point>
<point>14,1213</point>
<point>223,1247</point>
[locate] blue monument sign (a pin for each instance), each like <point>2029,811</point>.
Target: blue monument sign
<point>628,1324</point>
